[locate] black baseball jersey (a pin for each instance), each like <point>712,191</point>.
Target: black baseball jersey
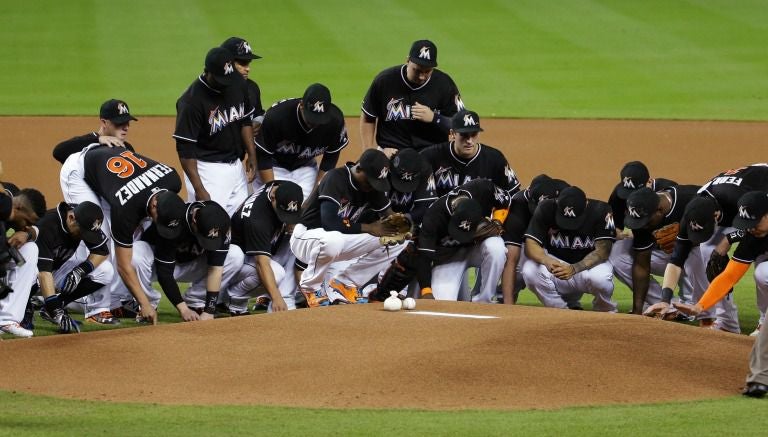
<point>209,122</point>
<point>451,171</point>
<point>749,247</point>
<point>338,187</point>
<point>255,226</point>
<point>434,239</point>
<point>517,219</point>
<point>619,205</point>
<point>54,242</point>
<point>414,203</point>
<point>390,98</point>
<point>126,180</point>
<point>286,141</point>
<point>254,97</point>
<point>571,246</point>
<point>680,195</point>
<point>728,186</point>
<point>76,144</point>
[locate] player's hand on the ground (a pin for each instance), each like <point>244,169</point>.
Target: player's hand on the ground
<point>422,113</point>
<point>688,309</point>
<point>278,304</point>
<point>149,314</point>
<point>206,316</point>
<point>658,310</point>
<point>202,194</point>
<point>18,239</point>
<point>111,141</point>
<point>188,315</point>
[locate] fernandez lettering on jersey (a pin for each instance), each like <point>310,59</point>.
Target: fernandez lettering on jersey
<point>219,119</point>
<point>560,241</point>
<point>142,182</point>
<point>732,180</point>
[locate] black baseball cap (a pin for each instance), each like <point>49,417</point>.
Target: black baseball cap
<point>641,204</point>
<point>409,169</point>
<point>466,121</point>
<point>464,220</point>
<point>752,206</point>
<point>699,218</point>
<point>634,175</point>
<point>317,104</point>
<point>571,204</point>
<point>212,223</point>
<point>375,164</point>
<point>239,48</point>
<point>423,52</point>
<point>288,197</point>
<point>170,214</point>
<point>544,187</point>
<point>116,111</point>
<point>89,218</point>
<point>218,62</point>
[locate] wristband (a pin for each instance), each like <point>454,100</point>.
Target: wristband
<point>86,266</point>
<point>210,302</point>
<point>666,294</point>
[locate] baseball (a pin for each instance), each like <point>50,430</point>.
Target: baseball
<point>409,303</point>
<point>392,303</point>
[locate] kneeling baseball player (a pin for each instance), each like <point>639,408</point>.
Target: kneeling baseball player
<point>567,245</point>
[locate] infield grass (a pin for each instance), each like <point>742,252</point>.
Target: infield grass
<point>700,59</point>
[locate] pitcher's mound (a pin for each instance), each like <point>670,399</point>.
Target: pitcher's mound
<point>362,356</point>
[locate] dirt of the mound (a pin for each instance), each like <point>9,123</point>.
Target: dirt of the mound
<point>363,357</point>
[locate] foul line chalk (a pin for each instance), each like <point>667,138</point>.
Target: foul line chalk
<point>465,316</point>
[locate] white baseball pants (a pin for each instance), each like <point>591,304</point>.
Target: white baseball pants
<point>558,293</point>
<point>225,182</point>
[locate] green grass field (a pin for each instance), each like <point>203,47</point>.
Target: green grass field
<point>523,58</point>
<point>557,59</point>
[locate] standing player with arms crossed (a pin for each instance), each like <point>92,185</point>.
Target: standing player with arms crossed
<point>213,133</point>
<point>409,105</point>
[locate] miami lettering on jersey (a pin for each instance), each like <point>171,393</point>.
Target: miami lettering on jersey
<point>560,241</point>
<point>350,213</point>
<point>398,110</point>
<point>142,182</point>
<point>219,119</point>
<point>445,179</point>
<point>302,152</point>
<point>400,199</point>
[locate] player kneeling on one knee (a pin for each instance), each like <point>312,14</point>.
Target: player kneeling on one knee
<point>567,244</point>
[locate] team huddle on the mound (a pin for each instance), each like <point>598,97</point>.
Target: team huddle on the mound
<point>271,215</point>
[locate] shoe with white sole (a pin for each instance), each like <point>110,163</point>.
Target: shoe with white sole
<point>16,329</point>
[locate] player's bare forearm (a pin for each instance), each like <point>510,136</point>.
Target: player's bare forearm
<point>267,275</point>
<point>597,256</point>
<point>367,132</point>
<point>190,169</point>
<point>641,272</point>
<point>96,259</point>
<point>47,287</point>
<point>213,280</point>
<point>536,253</point>
<point>127,273</point>
<point>509,274</point>
<point>267,175</point>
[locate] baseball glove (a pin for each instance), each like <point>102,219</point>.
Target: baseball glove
<point>716,265</point>
<point>666,236</point>
<point>402,224</point>
<point>488,228</point>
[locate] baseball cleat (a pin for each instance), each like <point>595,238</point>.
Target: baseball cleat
<point>52,316</point>
<point>103,318</point>
<point>67,325</point>
<point>755,390</point>
<point>348,291</point>
<point>262,303</point>
<point>316,299</point>
<point>14,328</point>
<point>756,332</point>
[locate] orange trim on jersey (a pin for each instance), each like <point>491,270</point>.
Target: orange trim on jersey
<point>500,215</point>
<point>722,283</point>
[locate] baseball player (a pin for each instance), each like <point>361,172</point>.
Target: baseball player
<point>243,55</point>
<point>18,211</point>
<point>294,133</point>
<point>707,224</point>
<point>567,245</point>
<point>522,206</point>
<point>409,105</point>
<point>114,121</point>
<point>200,254</point>
<point>464,158</point>
<point>634,175</point>
<point>73,265</point>
<point>213,133</point>
<point>654,218</point>
<point>752,225</point>
<point>135,188</point>
<point>260,228</point>
<point>413,186</point>
<point>447,244</point>
<point>330,229</point>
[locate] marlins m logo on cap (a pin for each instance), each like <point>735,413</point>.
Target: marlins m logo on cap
<point>384,173</point>
<point>465,225</point>
<point>406,176</point>
<point>122,108</point>
<point>695,226</point>
<point>743,213</point>
<point>469,120</point>
<point>568,212</point>
<point>424,53</point>
<point>633,212</point>
<point>318,106</point>
<point>245,47</point>
<point>173,223</point>
<point>293,206</point>
<point>228,69</point>
<point>213,233</point>
<point>96,225</point>
<point>628,182</point>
